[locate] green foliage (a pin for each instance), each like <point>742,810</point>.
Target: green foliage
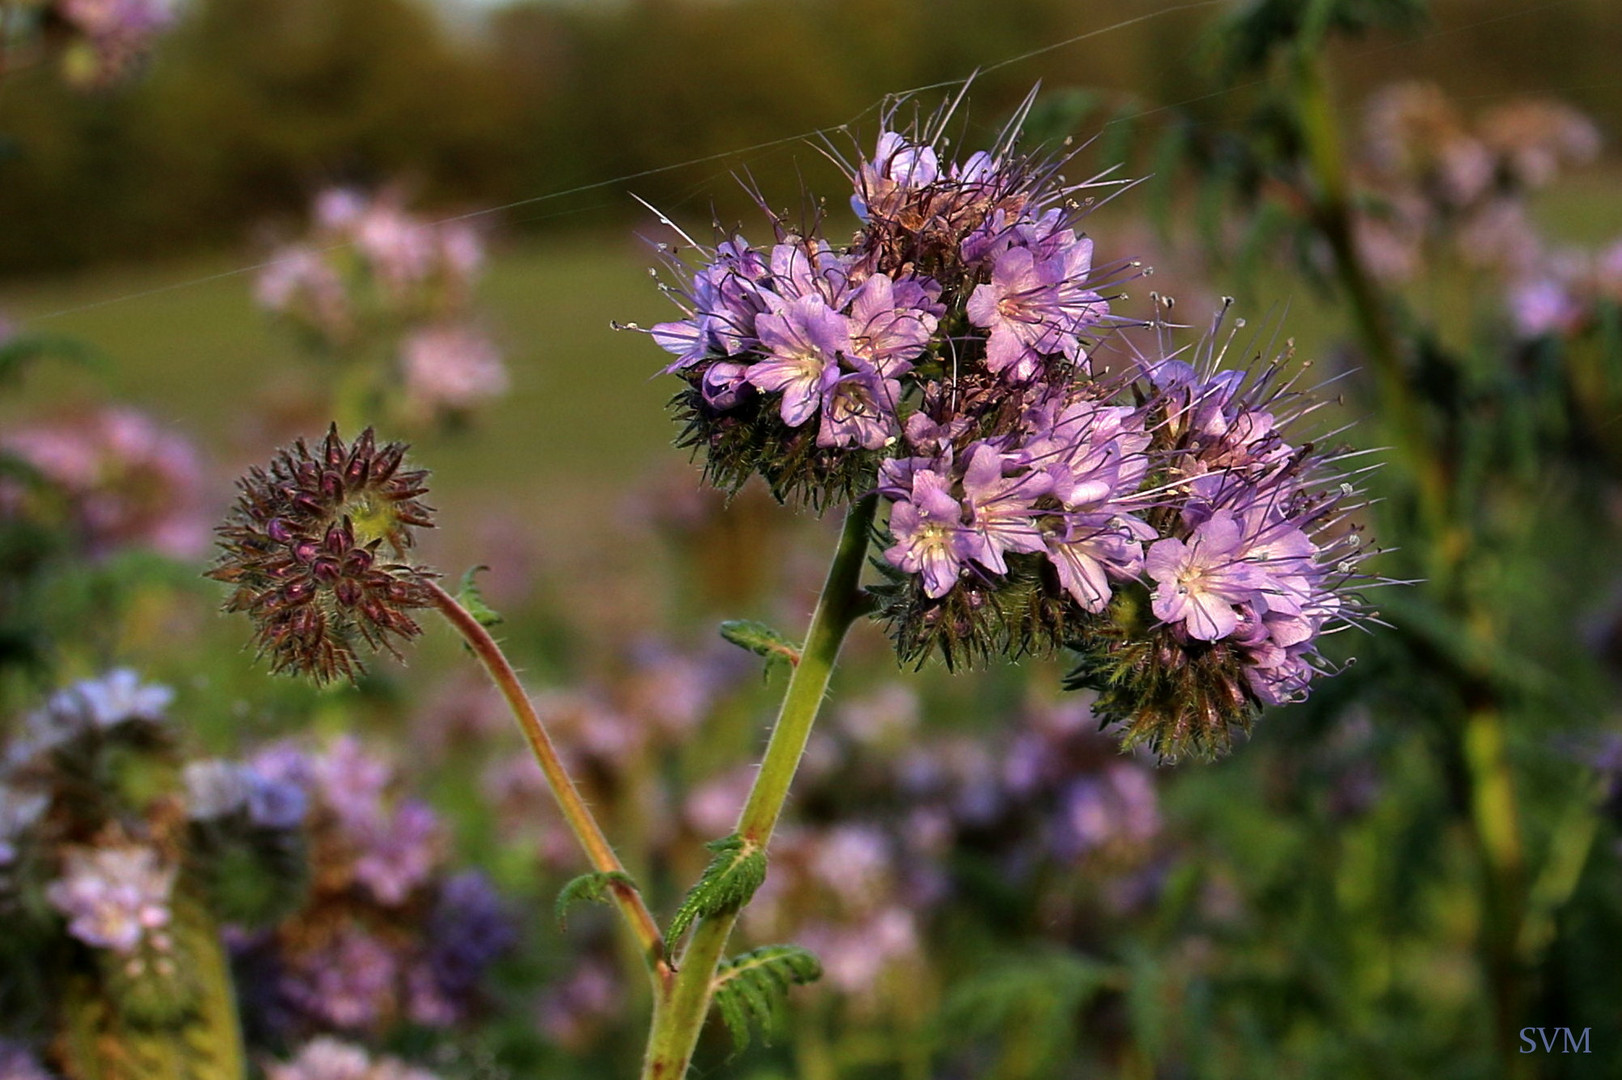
<point>1031,1004</point>
<point>24,349</point>
<point>469,596</point>
<point>593,888</point>
<point>761,640</point>
<point>750,987</point>
<point>727,883</point>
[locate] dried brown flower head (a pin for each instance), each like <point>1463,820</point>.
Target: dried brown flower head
<point>303,549</point>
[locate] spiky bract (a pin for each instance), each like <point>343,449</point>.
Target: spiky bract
<point>304,549</point>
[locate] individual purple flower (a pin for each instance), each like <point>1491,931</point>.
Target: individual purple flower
<point>859,409</point>
<point>1199,582</point>
<point>721,302</point>
<point>802,340</point>
<point>1002,517</point>
<point>115,698</point>
<point>1090,550</point>
<point>1036,308</point>
<point>893,321</point>
<point>113,896</point>
<point>931,540</point>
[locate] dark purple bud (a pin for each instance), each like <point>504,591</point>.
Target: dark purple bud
<point>332,486</point>
<point>279,531</point>
<point>326,570</point>
<point>347,592</point>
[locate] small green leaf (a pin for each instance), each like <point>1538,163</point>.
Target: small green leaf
<point>727,884</point>
<point>589,888</point>
<point>761,640</point>
<point>469,596</point>
<point>748,988</point>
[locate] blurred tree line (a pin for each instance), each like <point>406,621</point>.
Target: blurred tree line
<point>251,105</point>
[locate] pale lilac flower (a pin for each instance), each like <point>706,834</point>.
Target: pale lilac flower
<point>115,698</point>
<point>113,896</point>
<point>859,409</point>
<point>1001,517</point>
<point>215,788</point>
<point>1198,583</point>
<point>892,322</point>
<point>451,368</point>
<point>1036,308</point>
<point>855,956</point>
<point>326,1058</point>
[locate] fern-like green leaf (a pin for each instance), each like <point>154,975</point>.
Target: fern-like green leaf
<point>469,596</point>
<point>748,988</point>
<point>593,888</point>
<point>728,882</point>
<point>761,640</point>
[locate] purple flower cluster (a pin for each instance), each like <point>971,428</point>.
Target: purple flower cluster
<point>125,481</point>
<point>1151,517</point>
<point>1431,178</point>
<point>384,935</point>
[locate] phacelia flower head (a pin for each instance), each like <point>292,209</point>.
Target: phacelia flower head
<point>1255,555</point>
<point>313,549</point>
<point>1152,515</point>
<point>804,360</point>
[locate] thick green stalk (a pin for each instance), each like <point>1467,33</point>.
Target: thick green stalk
<point>682,1004</point>
<point>575,811</point>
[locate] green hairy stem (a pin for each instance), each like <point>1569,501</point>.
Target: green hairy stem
<point>681,1005</point>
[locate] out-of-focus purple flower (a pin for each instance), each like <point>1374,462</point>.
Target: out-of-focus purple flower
<point>855,956</point>
<point>1117,806</point>
<point>113,896</point>
<point>470,928</point>
<point>573,1012</point>
<point>399,852</point>
<point>115,698</point>
<point>17,1062</point>
<point>351,782</point>
<point>1544,307</point>
<point>127,481</point>
<point>451,369</point>
<point>348,982</point>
